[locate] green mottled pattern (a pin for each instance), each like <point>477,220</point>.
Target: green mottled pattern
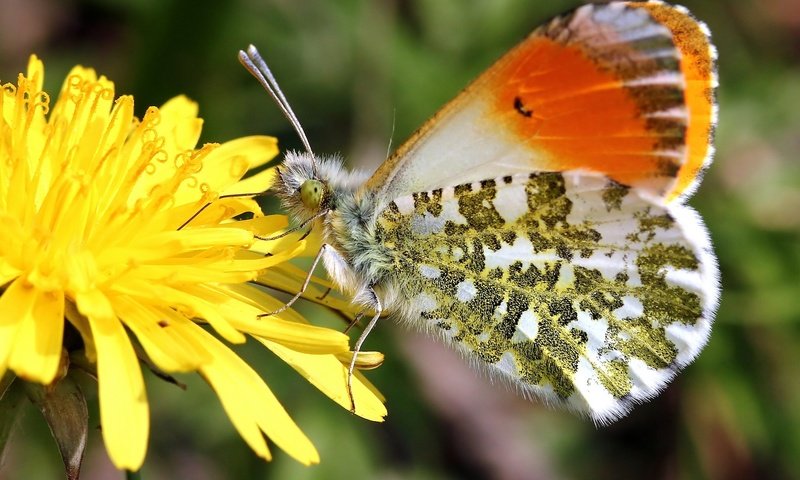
<point>484,316</point>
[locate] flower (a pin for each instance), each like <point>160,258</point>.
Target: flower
<point>94,205</point>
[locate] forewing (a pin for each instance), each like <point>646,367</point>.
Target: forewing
<point>576,289</point>
<point>625,89</point>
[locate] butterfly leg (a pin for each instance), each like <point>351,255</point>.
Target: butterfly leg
<point>378,310</point>
<point>305,284</point>
<point>355,321</point>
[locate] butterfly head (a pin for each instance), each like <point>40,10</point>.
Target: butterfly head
<point>301,188</point>
<point>309,185</point>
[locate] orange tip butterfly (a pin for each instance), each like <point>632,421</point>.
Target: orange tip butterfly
<point>537,222</point>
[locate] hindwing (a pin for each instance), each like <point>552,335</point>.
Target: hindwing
<point>577,289</point>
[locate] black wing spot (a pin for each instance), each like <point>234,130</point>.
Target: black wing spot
<point>520,107</point>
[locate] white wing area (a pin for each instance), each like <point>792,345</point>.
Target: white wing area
<point>637,227</point>
<point>465,145</point>
<point>571,287</point>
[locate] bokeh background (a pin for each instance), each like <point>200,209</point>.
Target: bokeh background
<point>362,73</point>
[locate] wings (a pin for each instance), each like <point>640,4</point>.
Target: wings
<point>625,89</point>
<point>571,286</point>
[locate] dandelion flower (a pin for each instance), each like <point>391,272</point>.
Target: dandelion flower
<point>94,206</point>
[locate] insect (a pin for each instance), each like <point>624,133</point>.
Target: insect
<point>537,222</point>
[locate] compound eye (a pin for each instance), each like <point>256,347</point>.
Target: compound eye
<point>311,193</point>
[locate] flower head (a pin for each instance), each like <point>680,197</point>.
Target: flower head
<point>94,205</point>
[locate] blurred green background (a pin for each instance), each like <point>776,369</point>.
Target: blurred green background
<point>360,73</point>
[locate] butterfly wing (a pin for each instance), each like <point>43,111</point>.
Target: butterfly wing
<point>625,89</point>
<point>573,287</point>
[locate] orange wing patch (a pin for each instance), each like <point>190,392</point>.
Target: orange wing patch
<point>612,95</point>
<point>559,101</point>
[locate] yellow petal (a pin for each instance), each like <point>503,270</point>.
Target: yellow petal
<point>227,164</point>
<point>260,182</point>
<point>266,225</point>
<point>249,403</point>
<point>35,72</point>
<point>179,124</point>
<point>297,336</point>
<point>119,125</point>
<point>8,272</point>
<point>257,149</point>
<point>312,241</point>
<point>238,309</point>
<point>263,302</point>
<point>328,374</point>
<point>67,104</point>
<point>364,360</point>
<point>197,301</point>
<point>92,303</point>
<point>124,413</point>
<point>289,278</point>
<point>168,173</point>
<point>214,213</point>
<point>170,351</point>
<point>16,306</point>
<point>273,260</point>
<point>81,324</point>
<point>203,238</point>
<point>36,353</point>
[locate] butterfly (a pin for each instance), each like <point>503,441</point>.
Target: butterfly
<point>537,223</point>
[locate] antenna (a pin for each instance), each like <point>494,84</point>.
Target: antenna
<point>256,65</point>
